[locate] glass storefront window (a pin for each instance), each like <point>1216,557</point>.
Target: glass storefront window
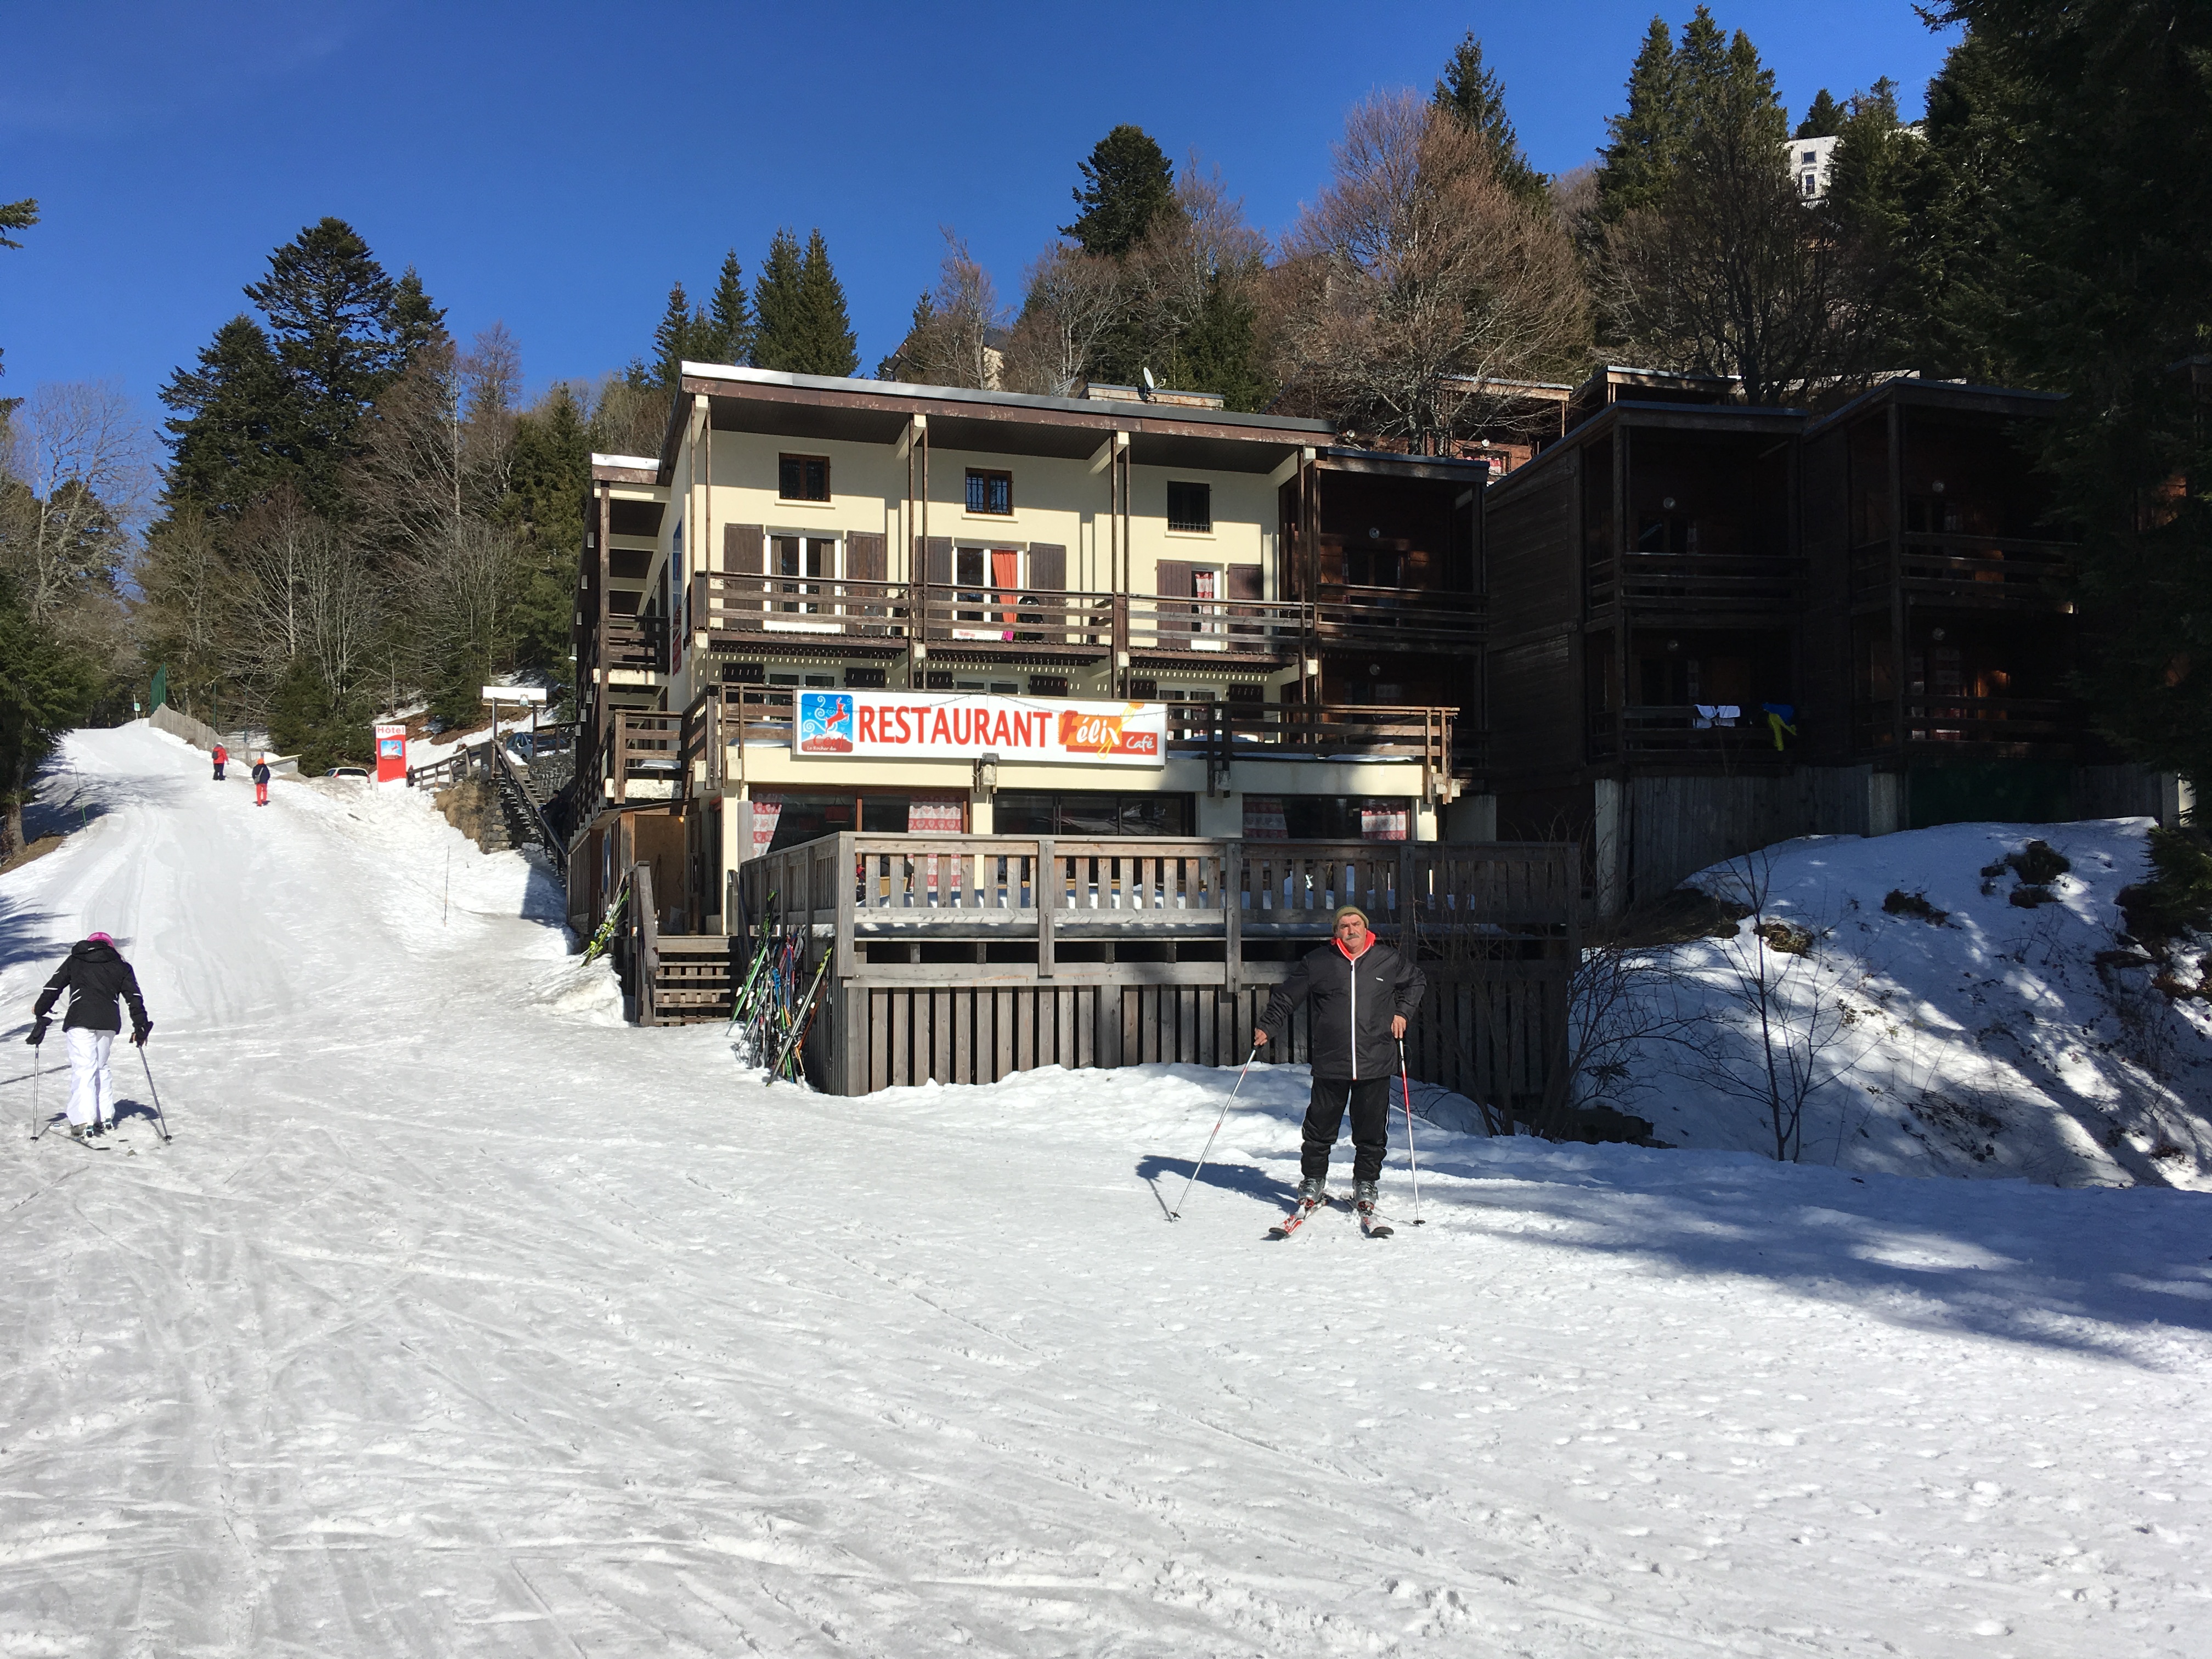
<point>1023,812</point>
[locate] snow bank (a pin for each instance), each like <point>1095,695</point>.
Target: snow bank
<point>1992,1043</point>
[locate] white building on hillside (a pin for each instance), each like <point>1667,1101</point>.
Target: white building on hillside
<point>1810,160</point>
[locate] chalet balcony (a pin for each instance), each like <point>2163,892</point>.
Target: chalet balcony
<point>2010,728</point>
<point>1398,618</point>
<point>1706,735</point>
<point>1975,571</point>
<point>1689,586</point>
<point>861,619</point>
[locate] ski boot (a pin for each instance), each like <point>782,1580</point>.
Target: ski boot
<point>1313,1191</point>
<point>1365,1195</point>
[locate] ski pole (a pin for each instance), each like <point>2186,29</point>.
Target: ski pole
<point>159,1116</point>
<point>1405,1083</point>
<point>37,1068</point>
<point>1176,1214</point>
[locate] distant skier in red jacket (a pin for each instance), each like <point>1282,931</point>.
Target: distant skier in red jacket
<point>221,759</point>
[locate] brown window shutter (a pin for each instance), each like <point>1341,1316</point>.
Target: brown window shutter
<point>1043,614</point>
<point>865,556</point>
<point>938,561</point>
<point>743,555</point>
<point>1047,567</point>
<point>1173,583</point>
<point>1246,581</point>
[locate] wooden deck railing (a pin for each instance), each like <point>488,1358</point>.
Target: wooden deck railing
<point>2006,721</point>
<point>1408,619</point>
<point>1674,583</point>
<point>1659,729</point>
<point>1966,570</point>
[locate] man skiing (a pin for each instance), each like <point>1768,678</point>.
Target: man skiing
<point>1361,993</point>
<point>261,781</point>
<point>95,974</point>
<point>221,760</point>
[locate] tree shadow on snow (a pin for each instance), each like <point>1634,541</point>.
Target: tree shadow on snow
<point>1154,1170</point>
<point>2083,1270</point>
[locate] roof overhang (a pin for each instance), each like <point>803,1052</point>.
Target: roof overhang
<point>806,407</point>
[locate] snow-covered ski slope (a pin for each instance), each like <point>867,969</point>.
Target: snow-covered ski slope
<point>459,1320</point>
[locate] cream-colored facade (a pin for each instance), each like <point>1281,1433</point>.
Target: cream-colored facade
<point>799,533</point>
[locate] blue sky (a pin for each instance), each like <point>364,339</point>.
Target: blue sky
<point>555,165</point>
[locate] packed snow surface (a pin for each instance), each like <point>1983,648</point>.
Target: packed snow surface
<point>460,1319</point>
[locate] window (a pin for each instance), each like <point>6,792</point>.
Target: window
<point>1025,813</point>
<point>803,568</point>
<point>1143,690</point>
<point>864,679</point>
<point>990,492</point>
<point>1810,185</point>
<point>1190,506</point>
<point>987,576</point>
<point>803,478</point>
<point>1811,156</point>
<point>1048,685</point>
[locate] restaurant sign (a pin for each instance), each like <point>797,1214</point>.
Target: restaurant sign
<point>939,725</point>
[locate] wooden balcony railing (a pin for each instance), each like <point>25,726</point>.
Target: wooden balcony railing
<point>1406,619</point>
<point>1967,570</point>
<point>644,748</point>
<point>1658,730</point>
<point>862,889</point>
<point>2007,723</point>
<point>1676,583</point>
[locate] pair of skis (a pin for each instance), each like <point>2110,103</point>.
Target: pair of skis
<point>1370,1219</point>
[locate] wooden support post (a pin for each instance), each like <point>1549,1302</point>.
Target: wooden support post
<point>1045,884</point>
<point>840,965</point>
<point>1232,917</point>
<point>1404,907</point>
<point>648,922</point>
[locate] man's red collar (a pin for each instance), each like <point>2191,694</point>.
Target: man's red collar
<point>1366,943</point>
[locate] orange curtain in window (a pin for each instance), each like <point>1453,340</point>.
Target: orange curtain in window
<point>1006,577</point>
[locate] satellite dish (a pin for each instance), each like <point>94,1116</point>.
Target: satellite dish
<point>1149,385</point>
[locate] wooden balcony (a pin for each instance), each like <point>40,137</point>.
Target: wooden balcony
<point>1664,731</point>
<point>1680,587</point>
<point>643,754</point>
<point>1971,571</point>
<point>851,619</point>
<point>2001,726</point>
<point>1399,619</point>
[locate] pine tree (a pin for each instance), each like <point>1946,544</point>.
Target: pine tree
<point>1824,119</point>
<point>415,322</point>
<point>801,325</point>
<point>331,312</point>
<point>777,329</point>
<point>1127,184</point>
<point>672,340</point>
<point>1647,137</point>
<point>15,215</point>
<point>1476,96</point>
<point>1219,351</point>
<point>727,335</point>
<point>237,421</point>
<point>549,474</point>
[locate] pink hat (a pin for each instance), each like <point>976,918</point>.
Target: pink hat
<point>105,938</point>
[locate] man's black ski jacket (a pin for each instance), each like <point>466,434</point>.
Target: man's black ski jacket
<point>95,974</point>
<point>1351,1004</point>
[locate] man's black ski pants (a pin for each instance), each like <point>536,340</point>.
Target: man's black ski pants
<point>1369,1098</point>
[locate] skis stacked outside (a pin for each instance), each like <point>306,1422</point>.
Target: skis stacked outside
<point>776,1002</point>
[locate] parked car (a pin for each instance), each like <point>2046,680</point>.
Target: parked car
<point>360,771</point>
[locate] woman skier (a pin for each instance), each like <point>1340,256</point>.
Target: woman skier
<point>261,781</point>
<point>221,759</point>
<point>95,974</point>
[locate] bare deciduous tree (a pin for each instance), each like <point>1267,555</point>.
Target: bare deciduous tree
<point>302,591</point>
<point>951,341</point>
<point>1419,281</point>
<point>1071,301</point>
<point>74,477</point>
<point>1782,1046</point>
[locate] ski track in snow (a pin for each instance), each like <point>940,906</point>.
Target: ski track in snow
<point>460,1319</point>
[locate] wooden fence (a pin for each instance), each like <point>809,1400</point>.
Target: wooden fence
<point>965,958</point>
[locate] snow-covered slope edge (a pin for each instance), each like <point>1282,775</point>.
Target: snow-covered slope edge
<point>1990,1042</point>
